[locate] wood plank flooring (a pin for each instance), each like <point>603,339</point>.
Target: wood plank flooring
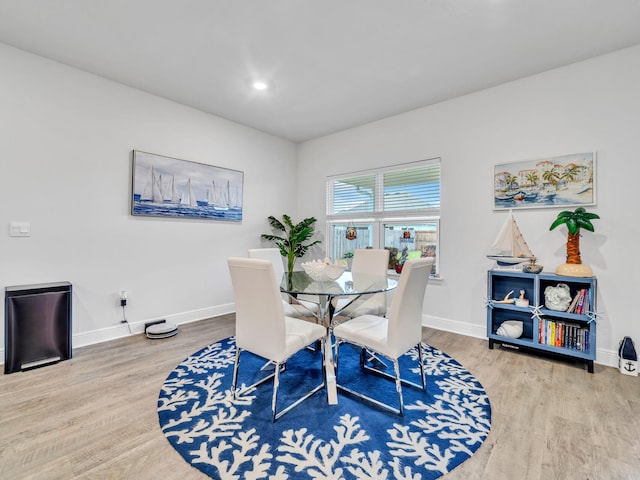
<point>94,416</point>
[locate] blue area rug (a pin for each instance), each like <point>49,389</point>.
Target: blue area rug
<point>235,439</point>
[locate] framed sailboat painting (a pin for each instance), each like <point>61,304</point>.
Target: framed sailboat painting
<point>562,181</point>
<point>170,187</point>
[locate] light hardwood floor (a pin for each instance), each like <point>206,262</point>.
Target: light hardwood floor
<point>94,416</point>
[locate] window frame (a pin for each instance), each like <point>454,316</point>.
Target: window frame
<point>379,218</point>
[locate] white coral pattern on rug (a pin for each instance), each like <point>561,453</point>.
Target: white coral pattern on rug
<point>212,421</point>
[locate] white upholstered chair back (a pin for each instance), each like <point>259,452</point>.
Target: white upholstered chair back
<point>371,261</point>
<point>405,314</point>
<point>297,308</point>
<point>367,261</point>
<point>260,319</point>
<point>273,255</point>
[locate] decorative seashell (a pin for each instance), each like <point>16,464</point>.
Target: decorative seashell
<point>320,271</point>
<point>510,328</point>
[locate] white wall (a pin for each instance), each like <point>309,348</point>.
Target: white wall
<point>67,138</point>
<point>65,151</point>
<point>588,106</point>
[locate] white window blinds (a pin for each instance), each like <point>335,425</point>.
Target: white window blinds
<point>404,188</point>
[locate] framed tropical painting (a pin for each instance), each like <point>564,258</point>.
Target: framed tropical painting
<point>562,181</point>
<point>170,187</point>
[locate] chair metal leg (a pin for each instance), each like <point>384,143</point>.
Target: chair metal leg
<point>422,372</point>
<point>236,368</point>
<point>368,356</point>
<point>278,368</point>
<point>276,384</point>
<point>395,378</point>
<point>409,383</point>
<point>234,382</point>
<point>277,415</point>
<point>396,367</point>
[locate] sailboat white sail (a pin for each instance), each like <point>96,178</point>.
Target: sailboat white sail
<point>220,196</point>
<point>510,247</point>
<point>211,194</point>
<point>235,199</point>
<point>188,197</point>
<point>152,191</point>
<point>170,194</point>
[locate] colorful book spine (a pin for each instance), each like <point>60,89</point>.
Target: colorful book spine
<point>581,302</point>
<point>574,303</point>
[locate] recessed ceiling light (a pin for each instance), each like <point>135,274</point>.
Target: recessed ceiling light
<point>260,85</point>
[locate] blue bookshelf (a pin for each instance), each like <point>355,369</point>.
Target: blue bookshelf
<point>570,334</point>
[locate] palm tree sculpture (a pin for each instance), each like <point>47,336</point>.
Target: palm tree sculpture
<point>574,221</point>
<point>291,245</point>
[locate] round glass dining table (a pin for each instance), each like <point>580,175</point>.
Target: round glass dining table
<point>349,284</point>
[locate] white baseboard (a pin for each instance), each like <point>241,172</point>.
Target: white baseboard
<point>608,358</point>
<point>603,357</point>
<point>453,326</point>
<point>121,330</point>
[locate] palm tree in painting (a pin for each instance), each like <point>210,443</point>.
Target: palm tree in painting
<point>532,178</point>
<point>571,173</point>
<point>551,176</point>
<point>511,181</point>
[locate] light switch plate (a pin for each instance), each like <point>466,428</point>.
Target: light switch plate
<point>19,229</point>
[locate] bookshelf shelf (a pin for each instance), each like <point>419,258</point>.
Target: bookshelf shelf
<point>564,333</point>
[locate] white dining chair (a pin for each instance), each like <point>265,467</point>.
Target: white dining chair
<point>366,261</point>
<point>292,307</point>
<point>263,329</point>
<point>391,336</point>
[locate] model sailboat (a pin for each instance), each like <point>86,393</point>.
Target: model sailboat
<point>510,247</point>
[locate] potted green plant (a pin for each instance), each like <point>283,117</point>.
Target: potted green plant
<point>291,244</point>
<point>574,221</point>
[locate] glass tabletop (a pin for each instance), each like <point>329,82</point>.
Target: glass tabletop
<point>347,284</point>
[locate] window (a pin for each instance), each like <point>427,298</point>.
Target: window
<point>396,208</point>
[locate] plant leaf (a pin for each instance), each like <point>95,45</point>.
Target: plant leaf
<point>572,225</point>
<point>586,224</point>
<point>291,243</point>
<point>277,224</point>
<point>558,221</point>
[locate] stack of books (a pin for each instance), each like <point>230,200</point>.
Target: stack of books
<point>580,303</point>
<point>564,335</point>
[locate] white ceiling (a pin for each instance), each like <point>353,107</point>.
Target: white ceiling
<point>333,64</point>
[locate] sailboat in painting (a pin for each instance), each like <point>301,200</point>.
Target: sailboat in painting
<point>220,196</point>
<point>169,187</point>
<point>152,189</point>
<point>170,194</point>
<point>189,197</point>
<point>510,248</point>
